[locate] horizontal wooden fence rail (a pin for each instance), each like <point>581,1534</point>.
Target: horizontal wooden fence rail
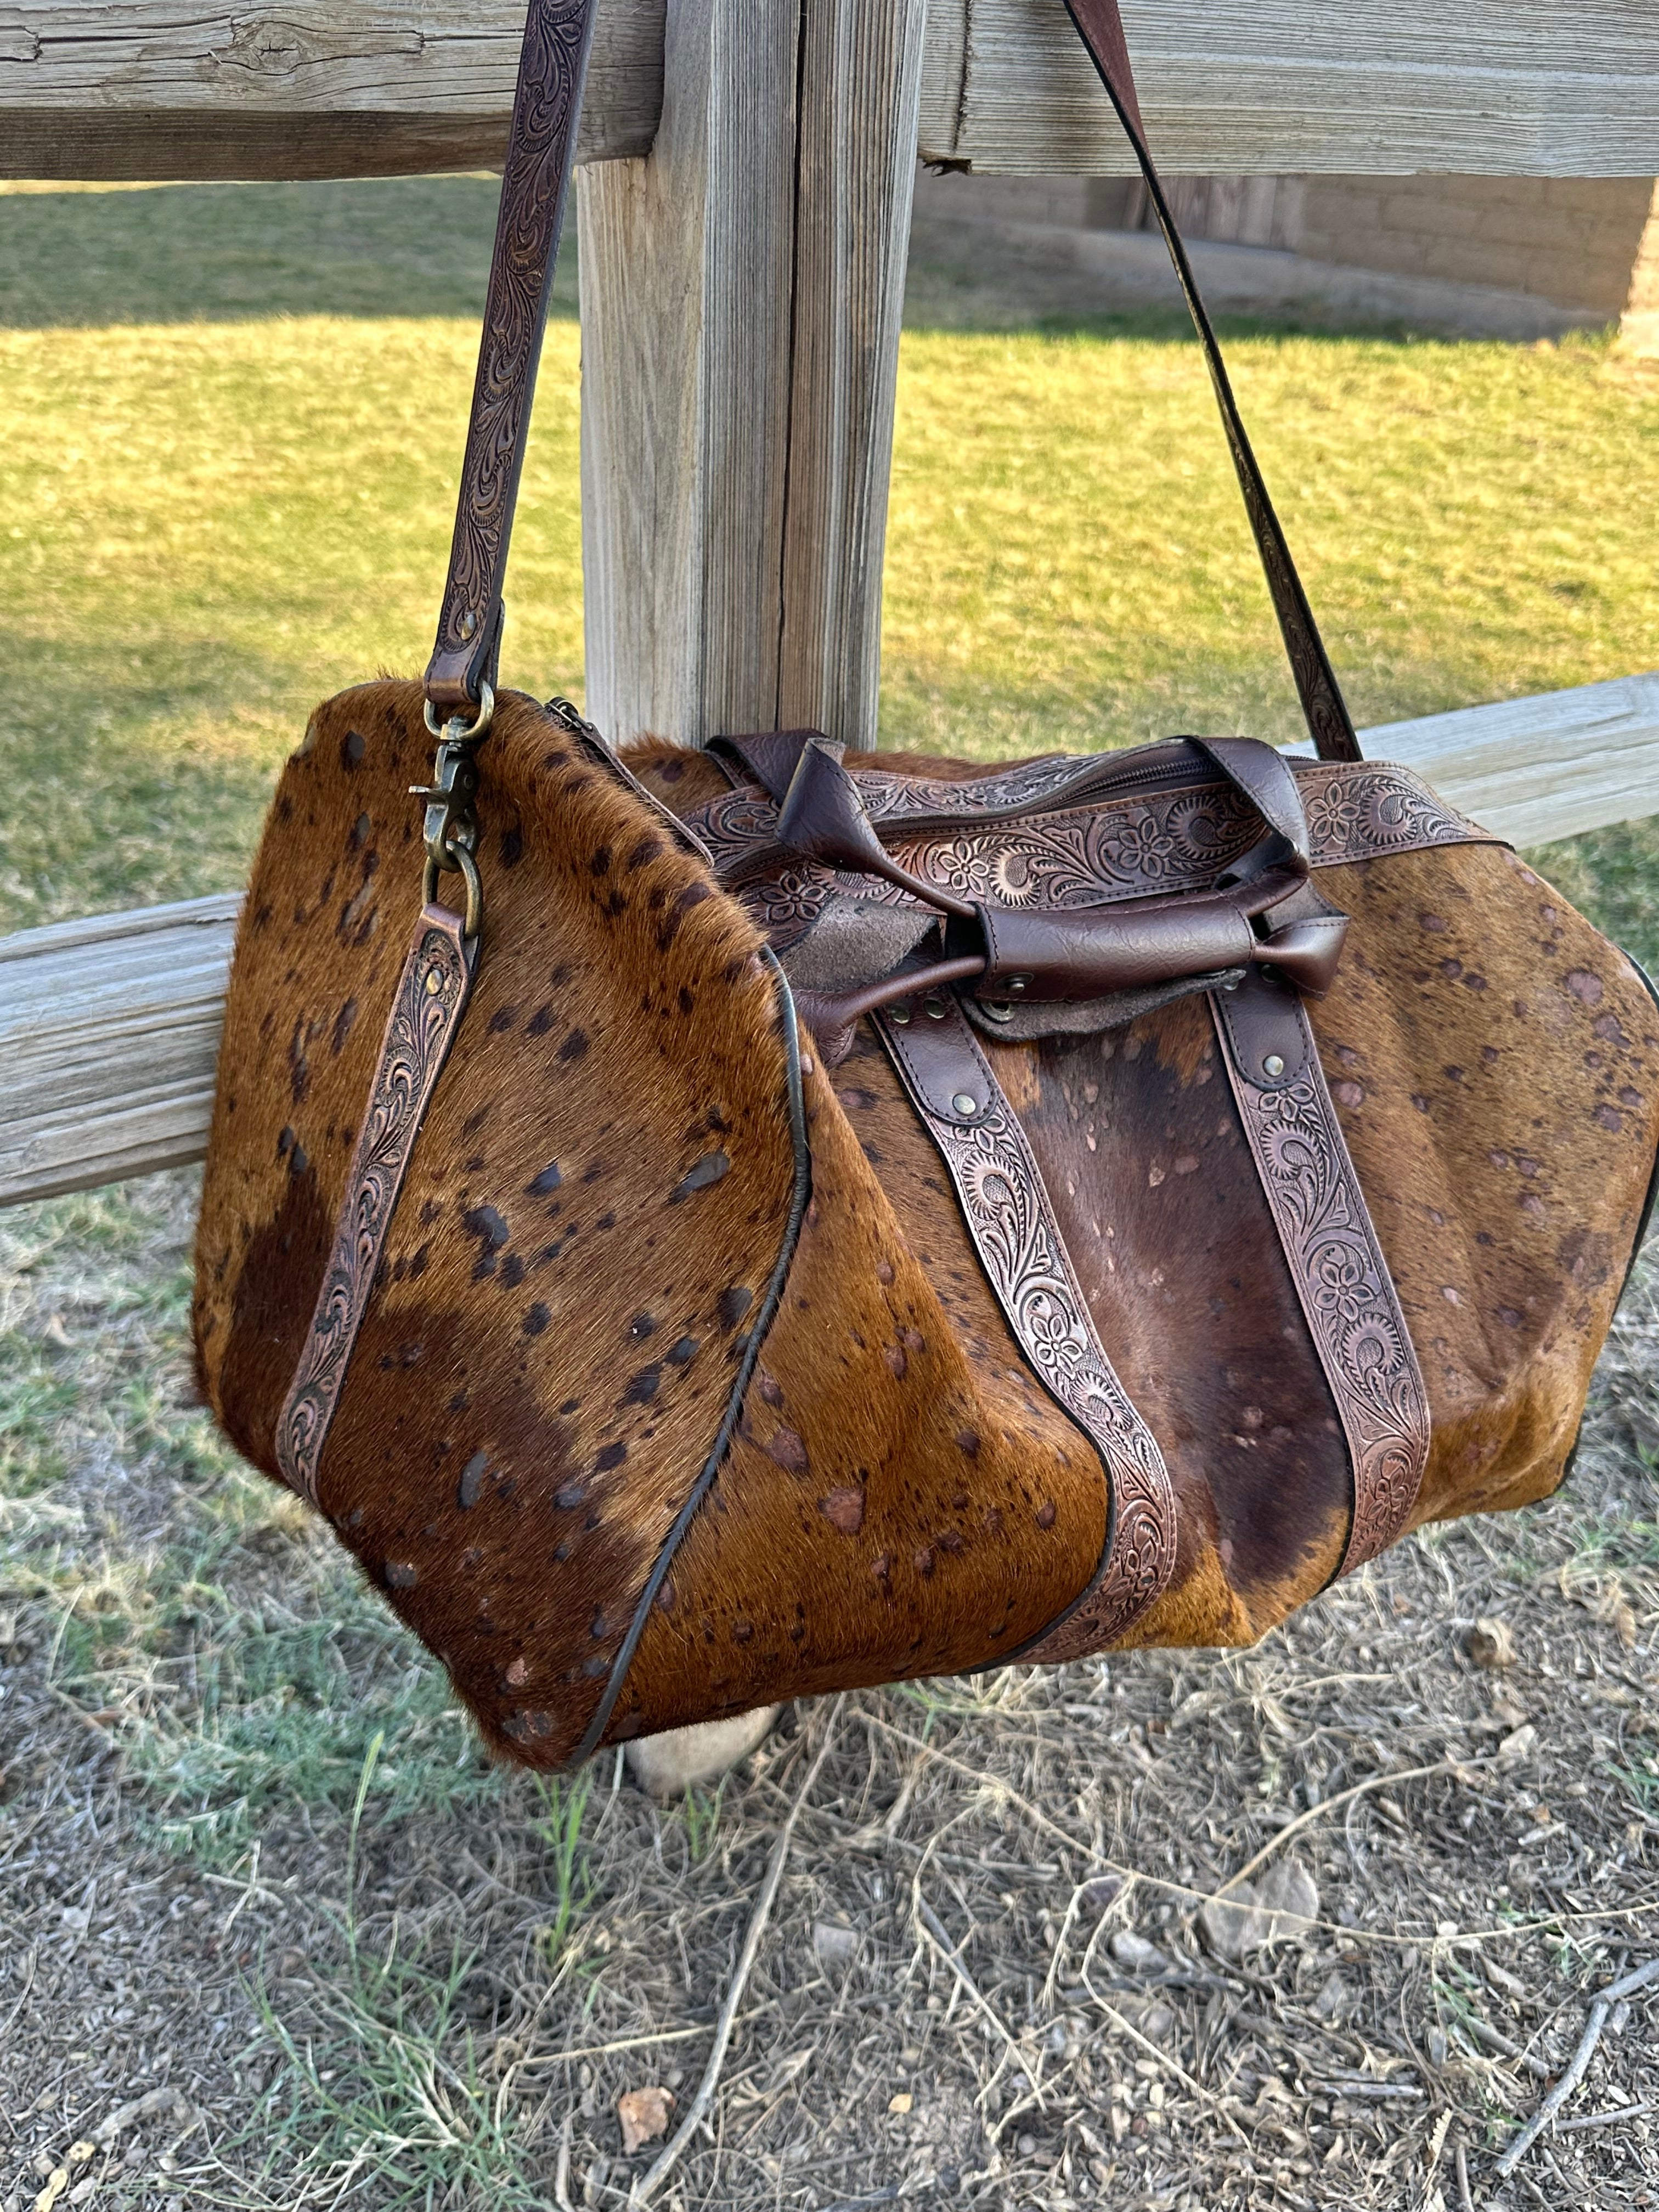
<point>109,1028</point>
<point>148,89</point>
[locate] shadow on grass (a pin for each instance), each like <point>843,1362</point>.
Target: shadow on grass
<point>390,246</point>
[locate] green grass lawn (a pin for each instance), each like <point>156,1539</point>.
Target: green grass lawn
<point>230,419</point>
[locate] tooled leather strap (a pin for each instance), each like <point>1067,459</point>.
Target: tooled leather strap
<point>534,182</point>
<point>1014,1232</point>
<point>1342,1278</point>
<point>426,1011</point>
<point>1322,704</point>
<point>1130,845</point>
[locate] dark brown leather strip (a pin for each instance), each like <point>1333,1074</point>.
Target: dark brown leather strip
<point>1335,1261</point>
<point>1134,846</point>
<point>1011,1224</point>
<point>431,996</point>
<point>1329,723</point>
<point>534,182</point>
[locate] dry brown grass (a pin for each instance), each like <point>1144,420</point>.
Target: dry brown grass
<point>282,1890</point>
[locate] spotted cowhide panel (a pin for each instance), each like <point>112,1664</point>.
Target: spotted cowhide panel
<point>591,1212</point>
<point>1495,1065</point>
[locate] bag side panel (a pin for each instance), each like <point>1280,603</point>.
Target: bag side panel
<point>1494,1061</point>
<point>903,1498</point>
<point>597,1198</point>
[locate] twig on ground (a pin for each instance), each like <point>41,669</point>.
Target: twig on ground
<point>561,2170</point>
<point>626,2043</point>
<point>933,1929</point>
<point>1641,1978</point>
<point>1495,2039</point>
<point>1329,1805</point>
<point>1461,2159</point>
<point>29,1983</point>
<point>646,2186</point>
<point>1604,2119</point>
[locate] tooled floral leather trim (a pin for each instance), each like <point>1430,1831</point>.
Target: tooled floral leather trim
<point>1014,1232</point>
<point>426,1011</point>
<point>1342,1281</point>
<point>534,182</point>
<point>1092,854</point>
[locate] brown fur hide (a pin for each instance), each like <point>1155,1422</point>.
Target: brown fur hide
<point>601,1191</point>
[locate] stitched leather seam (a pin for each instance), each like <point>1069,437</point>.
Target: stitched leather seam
<point>800,1199</point>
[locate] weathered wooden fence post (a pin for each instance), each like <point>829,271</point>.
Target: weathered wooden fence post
<point>742,287</point>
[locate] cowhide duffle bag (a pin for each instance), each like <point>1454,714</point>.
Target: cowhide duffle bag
<point>707,1227</point>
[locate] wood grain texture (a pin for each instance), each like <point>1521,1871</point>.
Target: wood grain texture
<point>1512,88</point>
<point>742,291</point>
<point>1537,769</point>
<point>138,88</point>
<point>109,1028</point>
<point>686,259</point>
<point>855,173</point>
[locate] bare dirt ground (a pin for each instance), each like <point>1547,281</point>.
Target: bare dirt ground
<point>273,1935</point>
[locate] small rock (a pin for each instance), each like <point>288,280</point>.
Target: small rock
<point>1136,1953</point>
<point>1519,1745</point>
<point>1335,2000</point>
<point>1253,1916</point>
<point>834,1946</point>
<point>644,2114</point>
<point>901,2103</point>
<point>1025,2145</point>
<point>1490,1645</point>
<point>1104,1890</point>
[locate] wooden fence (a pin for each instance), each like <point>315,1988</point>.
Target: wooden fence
<point>109,1028</point>
<point>740,335</point>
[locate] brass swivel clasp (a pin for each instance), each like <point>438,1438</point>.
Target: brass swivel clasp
<point>449,833</point>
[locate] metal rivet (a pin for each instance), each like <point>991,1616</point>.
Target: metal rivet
<point>995,1010</point>
<point>468,623</point>
<point>1272,1064</point>
<point>1018,983</point>
<point>434,982</point>
<point>899,1014</point>
<point>964,1102</point>
<point>936,1010</point>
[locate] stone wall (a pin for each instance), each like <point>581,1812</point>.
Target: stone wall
<point>1572,239</point>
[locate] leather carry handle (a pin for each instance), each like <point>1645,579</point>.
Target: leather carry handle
<point>1100,26</point>
<point>535,180</point>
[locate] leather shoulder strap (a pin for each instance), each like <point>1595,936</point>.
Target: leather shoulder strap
<point>534,183</point>
<point>1324,707</point>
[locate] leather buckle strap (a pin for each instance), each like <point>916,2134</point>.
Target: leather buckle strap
<point>535,181</point>
<point>1338,1267</point>
<point>999,1188</point>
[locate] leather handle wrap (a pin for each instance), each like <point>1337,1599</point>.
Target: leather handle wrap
<point>534,183</point>
<point>1100,28</point>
